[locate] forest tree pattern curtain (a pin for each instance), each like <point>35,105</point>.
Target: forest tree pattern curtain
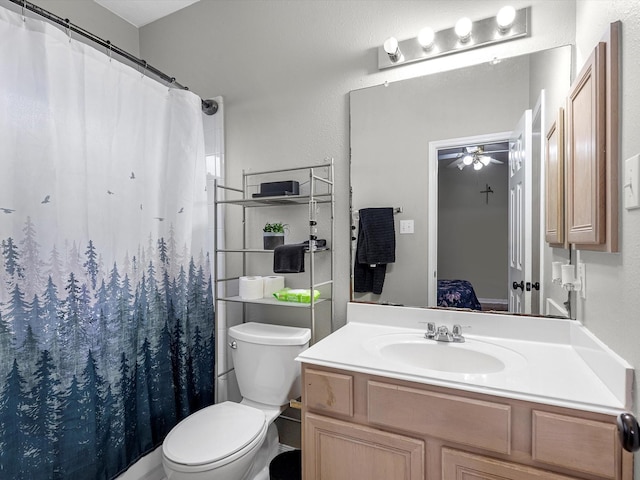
<point>106,311</point>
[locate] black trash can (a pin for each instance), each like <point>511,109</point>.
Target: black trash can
<point>286,466</point>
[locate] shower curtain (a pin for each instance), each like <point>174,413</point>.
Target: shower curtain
<point>106,311</point>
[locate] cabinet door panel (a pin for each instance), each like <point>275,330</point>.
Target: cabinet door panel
<point>575,443</point>
<point>586,140</point>
<point>328,392</point>
<point>338,450</point>
<point>554,185</point>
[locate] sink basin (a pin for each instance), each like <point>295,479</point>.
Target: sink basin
<point>470,357</point>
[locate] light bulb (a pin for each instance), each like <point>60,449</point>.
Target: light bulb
<point>505,18</point>
<point>467,160</point>
<point>426,38</point>
<point>463,29</point>
<point>477,165</point>
<point>393,50</point>
<point>485,159</point>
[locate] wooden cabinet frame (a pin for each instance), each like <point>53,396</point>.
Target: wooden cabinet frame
<point>593,149</point>
<point>554,183</point>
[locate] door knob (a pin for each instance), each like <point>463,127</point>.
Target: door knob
<point>517,285</point>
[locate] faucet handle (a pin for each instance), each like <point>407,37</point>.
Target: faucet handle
<point>457,333</point>
<point>431,330</point>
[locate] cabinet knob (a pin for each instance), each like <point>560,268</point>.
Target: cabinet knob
<point>628,432</point>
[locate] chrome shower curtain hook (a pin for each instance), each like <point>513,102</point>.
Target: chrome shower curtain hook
<point>171,82</point>
<point>109,48</point>
<point>24,4</point>
<point>144,70</point>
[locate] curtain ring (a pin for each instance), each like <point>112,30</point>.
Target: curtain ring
<point>145,68</point>
<point>24,18</point>
<point>173,80</point>
<point>109,48</point>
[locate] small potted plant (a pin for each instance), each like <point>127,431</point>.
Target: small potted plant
<point>273,235</point>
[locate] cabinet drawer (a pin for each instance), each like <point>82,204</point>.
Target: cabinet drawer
<point>583,445</point>
<point>466,421</point>
<point>456,465</point>
<point>328,392</point>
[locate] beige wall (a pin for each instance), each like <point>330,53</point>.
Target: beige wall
<point>285,69</point>
<point>93,18</point>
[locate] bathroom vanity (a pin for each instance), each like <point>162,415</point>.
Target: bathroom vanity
<point>516,400</point>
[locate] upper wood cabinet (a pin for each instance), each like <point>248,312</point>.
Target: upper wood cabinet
<point>554,171</point>
<point>592,150</point>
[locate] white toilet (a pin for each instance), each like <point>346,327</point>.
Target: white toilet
<point>236,441</point>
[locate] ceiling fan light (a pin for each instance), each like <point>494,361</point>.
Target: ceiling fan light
<point>477,165</point>
<point>467,160</point>
<point>485,159</point>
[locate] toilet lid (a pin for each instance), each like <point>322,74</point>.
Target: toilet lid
<point>213,433</point>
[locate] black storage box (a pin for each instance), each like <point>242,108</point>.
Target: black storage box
<point>274,189</point>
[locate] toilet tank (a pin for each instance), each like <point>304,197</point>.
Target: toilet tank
<point>264,360</point>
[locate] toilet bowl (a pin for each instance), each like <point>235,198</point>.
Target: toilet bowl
<point>236,441</point>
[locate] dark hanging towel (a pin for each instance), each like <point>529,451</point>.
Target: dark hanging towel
<point>289,258</point>
<point>376,248</point>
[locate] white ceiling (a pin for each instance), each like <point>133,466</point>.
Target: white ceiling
<point>140,12</point>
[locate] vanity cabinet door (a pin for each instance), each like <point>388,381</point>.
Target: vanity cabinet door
<point>338,450</point>
<point>457,465</point>
<point>554,183</point>
<point>586,153</point>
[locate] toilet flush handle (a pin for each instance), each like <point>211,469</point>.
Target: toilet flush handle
<point>233,345</point>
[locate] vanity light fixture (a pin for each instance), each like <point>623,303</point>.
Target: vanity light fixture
<point>392,49</point>
<point>505,18</point>
<point>426,38</point>
<point>463,29</point>
<point>509,24</point>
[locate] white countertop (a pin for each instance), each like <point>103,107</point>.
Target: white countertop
<point>557,362</point>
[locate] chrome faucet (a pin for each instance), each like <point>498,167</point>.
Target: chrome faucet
<point>442,333</point>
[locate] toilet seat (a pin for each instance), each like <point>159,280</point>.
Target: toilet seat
<point>214,436</point>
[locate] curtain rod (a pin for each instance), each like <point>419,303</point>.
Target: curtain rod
<point>208,106</point>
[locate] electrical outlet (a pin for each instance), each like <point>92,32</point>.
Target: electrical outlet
<point>406,226</point>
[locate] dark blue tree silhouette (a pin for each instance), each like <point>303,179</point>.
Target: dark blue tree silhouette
<point>91,264</point>
<point>92,411</point>
<point>11,258</point>
<point>12,435</point>
<point>126,391</point>
<point>71,458</point>
<point>17,314</point>
<point>163,408</point>
<point>43,418</point>
<point>28,354</point>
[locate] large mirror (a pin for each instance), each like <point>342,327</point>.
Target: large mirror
<point>439,151</point>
